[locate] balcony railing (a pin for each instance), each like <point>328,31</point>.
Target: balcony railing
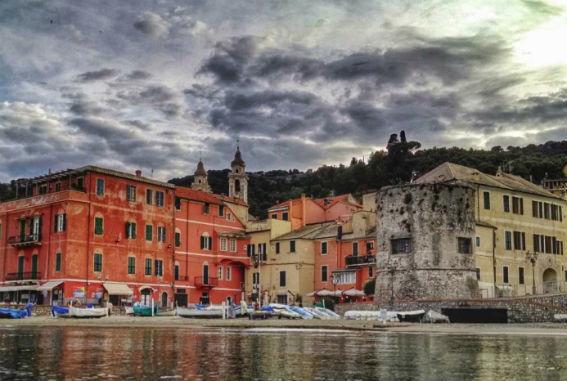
<point>24,241</point>
<point>31,275</point>
<point>356,260</point>
<point>209,282</point>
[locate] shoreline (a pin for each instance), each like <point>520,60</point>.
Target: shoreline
<point>169,322</point>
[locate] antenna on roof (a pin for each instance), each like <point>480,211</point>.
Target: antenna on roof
<point>152,172</point>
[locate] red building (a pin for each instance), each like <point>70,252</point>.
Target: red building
<point>85,233</point>
<point>93,233</point>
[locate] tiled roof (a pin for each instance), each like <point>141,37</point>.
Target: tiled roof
<point>313,231</point>
<point>211,198</point>
<point>330,201</point>
<point>448,172</point>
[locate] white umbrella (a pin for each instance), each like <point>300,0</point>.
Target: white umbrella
<point>325,292</point>
<point>353,292</point>
<point>311,294</point>
<point>338,293</point>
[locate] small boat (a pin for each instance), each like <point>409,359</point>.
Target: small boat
<point>306,315</point>
<point>93,312</point>
<point>435,317</point>
<point>59,311</point>
<point>15,313</point>
<point>145,310</point>
<point>199,313</point>
<point>330,314</point>
<point>411,316</point>
<point>284,311</point>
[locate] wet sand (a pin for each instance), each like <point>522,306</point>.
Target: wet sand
<point>554,329</point>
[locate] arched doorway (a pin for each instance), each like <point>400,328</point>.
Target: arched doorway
<point>549,281</point>
<point>164,300</point>
<point>146,296</point>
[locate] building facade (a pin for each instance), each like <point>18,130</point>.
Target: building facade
<point>520,230</point>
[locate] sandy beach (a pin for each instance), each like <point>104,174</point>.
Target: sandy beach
<point>554,329</point>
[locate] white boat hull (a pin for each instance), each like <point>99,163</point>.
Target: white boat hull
<point>88,312</point>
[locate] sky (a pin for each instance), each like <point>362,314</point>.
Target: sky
<point>156,85</point>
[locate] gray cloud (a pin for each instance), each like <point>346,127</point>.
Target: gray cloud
<point>97,75</point>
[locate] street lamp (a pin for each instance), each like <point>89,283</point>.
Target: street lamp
<point>533,258</point>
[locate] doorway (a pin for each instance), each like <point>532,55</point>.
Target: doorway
<point>146,297</point>
<point>549,281</point>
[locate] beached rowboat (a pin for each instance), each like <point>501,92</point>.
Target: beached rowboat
<point>87,312</point>
<point>197,313</point>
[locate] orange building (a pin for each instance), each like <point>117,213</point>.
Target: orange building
<point>211,244</point>
<point>87,233</point>
<point>92,233</point>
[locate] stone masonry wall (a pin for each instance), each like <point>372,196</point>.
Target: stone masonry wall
<point>432,217</point>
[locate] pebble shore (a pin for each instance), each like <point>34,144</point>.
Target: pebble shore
<point>120,321</point>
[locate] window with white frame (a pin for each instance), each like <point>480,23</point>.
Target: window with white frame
<point>60,222</point>
<point>344,277</point>
<point>223,245</point>
<point>232,245</point>
<point>229,273</point>
<point>161,233</point>
<point>324,248</point>
<point>220,272</point>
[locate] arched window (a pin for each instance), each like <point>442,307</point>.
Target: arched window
<point>164,299</point>
<point>237,185</point>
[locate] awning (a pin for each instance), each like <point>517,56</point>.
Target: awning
<point>117,289</point>
<point>49,285</point>
<point>32,287</point>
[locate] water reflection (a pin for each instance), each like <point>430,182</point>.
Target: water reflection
<point>74,353</point>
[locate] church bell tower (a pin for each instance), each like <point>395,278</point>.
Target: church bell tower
<point>237,179</point>
<point>200,181</point>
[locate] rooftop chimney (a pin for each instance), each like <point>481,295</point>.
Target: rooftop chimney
<point>138,173</point>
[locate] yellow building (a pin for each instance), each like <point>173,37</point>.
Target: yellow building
<point>520,231</point>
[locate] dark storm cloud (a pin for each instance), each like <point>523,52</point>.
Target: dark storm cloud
<point>138,75</point>
<point>83,107</point>
<point>230,58</point>
<point>160,97</point>
<point>97,75</point>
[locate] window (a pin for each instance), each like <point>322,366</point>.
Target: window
<point>99,226</point>
<point>546,210</point>
<point>519,240</point>
<point>324,248</point>
<point>57,187</point>
<point>250,250</point>
<point>274,216</point>
<point>355,249</point>
<point>292,246</point>
<point>229,216</point>
<point>131,193</point>
<point>521,275</point>
<point>58,262</point>
<point>206,208</point>
<point>369,246</point>
<point>149,232</point>
<point>177,203</point>
<point>43,189</point>
<point>176,272</point>
<point>324,275</point>
<point>161,234</point>
<point>282,278</point>
<point>60,222</point>
<point>345,277</point>
<point>486,196</point>
<point>508,240</point>
<point>34,266</point>
<point>370,272</point>
<point>517,205</point>
<point>229,273</point>
<point>477,241</point>
<point>262,252</point>
<point>506,202</point>
<point>223,244</point>
<point>160,199</point>
<point>401,246</point>
<point>206,242</point>
<point>99,187</point>
<point>256,278</point>
<point>284,216</point>
<point>232,245</point>
<point>131,265</point>
<point>505,274</point>
<point>282,299</point>
<point>130,230</point>
<point>277,247</point>
<point>80,183</point>
<point>220,272</point>
<point>477,274</point>
<point>158,267</point>
<point>464,245</point>
<point>21,260</point>
<point>221,210</point>
<point>177,239</point>
<point>148,267</point>
<point>149,196</point>
<point>97,267</point>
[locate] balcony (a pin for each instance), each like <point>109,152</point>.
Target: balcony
<point>32,275</point>
<point>25,241</point>
<point>209,282</point>
<point>362,260</point>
